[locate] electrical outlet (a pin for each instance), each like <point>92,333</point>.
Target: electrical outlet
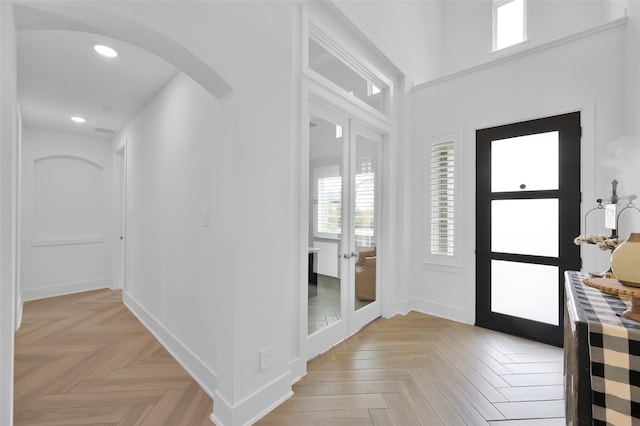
<point>265,359</point>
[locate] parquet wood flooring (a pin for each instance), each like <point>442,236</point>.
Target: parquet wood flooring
<point>421,370</point>
<point>84,359</point>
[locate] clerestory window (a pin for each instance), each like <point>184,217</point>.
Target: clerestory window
<point>509,23</point>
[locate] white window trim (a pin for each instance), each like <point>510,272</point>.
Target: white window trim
<point>428,257</point>
<point>517,46</point>
<point>313,29</point>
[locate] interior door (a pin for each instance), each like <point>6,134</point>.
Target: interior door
<point>343,284</point>
<point>527,215</point>
<point>327,240</point>
<point>365,153</point>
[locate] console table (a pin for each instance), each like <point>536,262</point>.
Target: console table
<point>602,357</point>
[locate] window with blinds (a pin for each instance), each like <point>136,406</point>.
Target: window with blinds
<point>329,218</point>
<point>442,199</point>
<point>365,209</point>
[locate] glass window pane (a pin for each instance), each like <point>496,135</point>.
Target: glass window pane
<point>525,290</point>
<point>530,160</point>
<point>366,172</point>
<point>510,24</point>
<point>527,227</point>
<point>325,63</point>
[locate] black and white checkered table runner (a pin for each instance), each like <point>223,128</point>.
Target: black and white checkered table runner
<point>614,349</point>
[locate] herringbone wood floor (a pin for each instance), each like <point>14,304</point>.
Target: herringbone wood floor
<point>421,370</point>
<point>85,360</point>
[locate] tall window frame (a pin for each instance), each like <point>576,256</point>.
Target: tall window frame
<point>441,200</point>
<point>509,15</point>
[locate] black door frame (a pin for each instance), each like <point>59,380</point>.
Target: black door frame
<point>568,193</point>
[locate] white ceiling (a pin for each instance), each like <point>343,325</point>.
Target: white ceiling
<point>60,75</point>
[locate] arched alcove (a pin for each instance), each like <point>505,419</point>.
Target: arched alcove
<point>68,197</point>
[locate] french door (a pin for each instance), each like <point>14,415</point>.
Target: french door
<point>343,238</point>
<point>527,215</point>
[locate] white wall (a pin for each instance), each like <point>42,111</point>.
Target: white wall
<point>178,191</point>
<point>546,20</point>
<point>9,124</point>
<point>585,74</point>
<point>407,32</point>
<point>66,210</point>
<point>625,151</point>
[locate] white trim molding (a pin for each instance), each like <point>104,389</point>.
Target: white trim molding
<point>69,242</point>
<point>452,260</point>
<point>196,368</point>
<point>441,310</point>
<point>270,396</point>
<point>65,288</point>
<point>512,55</point>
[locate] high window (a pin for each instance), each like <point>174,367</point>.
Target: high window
<point>347,74</point>
<point>509,23</point>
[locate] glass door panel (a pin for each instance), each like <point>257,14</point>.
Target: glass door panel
<point>326,158</point>
<point>525,226</point>
<point>364,219</point>
<point>525,163</point>
<point>525,290</point>
<point>364,272</point>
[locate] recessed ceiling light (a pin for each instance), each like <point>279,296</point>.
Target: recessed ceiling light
<point>105,50</point>
<point>78,119</point>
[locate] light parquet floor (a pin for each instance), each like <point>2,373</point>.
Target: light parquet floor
<point>84,359</point>
<point>421,370</point>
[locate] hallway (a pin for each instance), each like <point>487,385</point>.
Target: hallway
<point>85,359</point>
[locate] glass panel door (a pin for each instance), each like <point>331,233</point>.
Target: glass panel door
<point>527,213</point>
<point>328,230</point>
<point>327,145</point>
<point>364,272</point>
<point>343,280</point>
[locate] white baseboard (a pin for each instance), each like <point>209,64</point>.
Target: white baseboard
<point>252,408</point>
<point>453,313</point>
<point>62,289</point>
<point>401,307</point>
<point>298,369</point>
<point>200,372</point>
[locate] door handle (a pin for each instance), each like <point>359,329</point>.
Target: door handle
<point>346,256</point>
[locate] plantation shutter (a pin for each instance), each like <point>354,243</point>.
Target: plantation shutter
<point>442,198</point>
